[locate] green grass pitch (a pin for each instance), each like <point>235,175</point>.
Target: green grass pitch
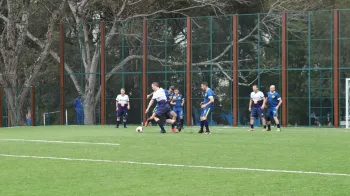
<point>173,164</point>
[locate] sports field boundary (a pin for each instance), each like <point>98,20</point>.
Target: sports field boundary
<point>59,142</point>
<point>177,165</point>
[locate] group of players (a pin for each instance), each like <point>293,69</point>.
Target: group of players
<point>168,99</point>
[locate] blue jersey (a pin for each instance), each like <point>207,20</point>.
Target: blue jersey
<point>177,100</point>
<point>168,95</point>
<point>78,104</point>
<point>209,94</point>
<point>273,99</point>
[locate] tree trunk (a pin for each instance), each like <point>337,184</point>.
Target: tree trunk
<point>89,114</point>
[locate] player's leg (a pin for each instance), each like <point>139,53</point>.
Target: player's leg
<point>174,117</point>
<point>160,111</point>
<point>252,116</point>
<point>275,117</point>
<point>125,115</point>
<point>152,117</point>
<point>261,115</point>
<point>204,120</point>
<point>181,114</point>
<point>268,119</point>
<point>118,113</point>
<point>170,120</point>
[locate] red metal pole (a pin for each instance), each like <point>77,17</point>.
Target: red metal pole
<point>33,106</point>
<point>144,69</point>
<point>0,107</point>
<point>62,72</point>
<point>284,69</point>
<point>188,73</point>
<point>235,69</point>
<point>103,74</point>
<point>336,68</point>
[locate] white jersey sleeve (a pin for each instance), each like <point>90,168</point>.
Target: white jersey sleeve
<point>159,95</point>
<point>118,98</point>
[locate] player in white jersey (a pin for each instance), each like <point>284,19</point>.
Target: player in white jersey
<point>122,106</point>
<point>164,109</point>
<point>257,99</point>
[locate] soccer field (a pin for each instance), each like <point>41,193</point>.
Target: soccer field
<point>95,160</point>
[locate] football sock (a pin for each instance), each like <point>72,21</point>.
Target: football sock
<point>264,126</point>
<point>182,122</point>
<point>202,125</point>
<point>269,126</point>
<point>173,125</point>
<point>206,123</point>
<point>161,126</point>
<point>117,123</point>
<point>124,124</point>
<point>278,126</point>
<point>252,126</point>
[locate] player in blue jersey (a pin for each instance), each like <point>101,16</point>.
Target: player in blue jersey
<point>256,107</point>
<point>207,107</point>
<point>178,103</point>
<point>163,109</point>
<point>274,101</point>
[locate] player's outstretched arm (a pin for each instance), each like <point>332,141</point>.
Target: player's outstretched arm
<point>149,105</point>
<point>149,95</point>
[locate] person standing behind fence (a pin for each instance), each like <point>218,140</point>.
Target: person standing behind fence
<point>29,118</point>
<point>78,107</point>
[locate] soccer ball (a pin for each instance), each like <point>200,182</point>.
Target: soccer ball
<point>139,129</point>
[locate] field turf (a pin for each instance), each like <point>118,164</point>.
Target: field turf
<point>231,161</point>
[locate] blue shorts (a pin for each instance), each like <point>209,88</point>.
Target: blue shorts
<point>179,112</point>
<point>164,111</point>
<point>257,112</point>
<point>206,111</point>
<point>122,114</point>
<point>271,112</point>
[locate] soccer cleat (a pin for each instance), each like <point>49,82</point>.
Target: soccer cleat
<point>178,127</point>
<point>269,129</point>
<point>251,130</point>
<point>207,132</point>
<point>278,130</point>
<point>162,132</point>
<point>200,131</point>
<point>146,123</point>
<point>264,130</point>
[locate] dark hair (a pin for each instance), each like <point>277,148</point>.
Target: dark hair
<point>155,84</point>
<point>122,89</point>
<point>172,87</point>
<point>255,85</point>
<point>205,83</point>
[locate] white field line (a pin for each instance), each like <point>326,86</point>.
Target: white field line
<point>177,165</point>
<point>60,142</point>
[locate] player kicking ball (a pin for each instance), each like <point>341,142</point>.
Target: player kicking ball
<point>163,109</point>
<point>274,101</point>
<point>258,101</point>
<point>122,106</point>
<point>207,107</point>
<point>168,94</point>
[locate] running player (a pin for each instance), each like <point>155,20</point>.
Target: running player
<point>163,109</point>
<point>122,105</point>
<point>207,107</point>
<point>178,103</point>
<point>168,94</point>
<point>257,99</point>
<point>274,101</point>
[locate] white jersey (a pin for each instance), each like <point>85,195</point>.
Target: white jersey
<point>122,99</point>
<point>159,95</point>
<point>258,98</point>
